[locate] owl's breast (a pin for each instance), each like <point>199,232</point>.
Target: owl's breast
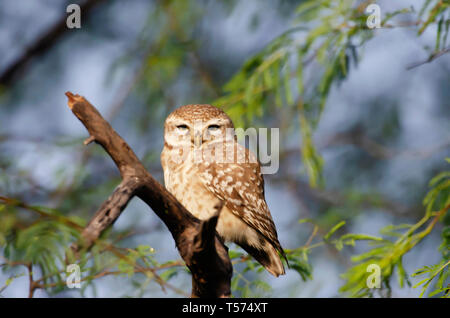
<point>184,183</point>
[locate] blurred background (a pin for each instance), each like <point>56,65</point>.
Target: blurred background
<point>383,133</point>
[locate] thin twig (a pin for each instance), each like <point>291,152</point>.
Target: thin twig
<point>32,285</point>
<point>430,59</point>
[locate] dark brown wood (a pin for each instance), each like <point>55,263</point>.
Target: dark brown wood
<point>109,211</point>
<point>197,241</point>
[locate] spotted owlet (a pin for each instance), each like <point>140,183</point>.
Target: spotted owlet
<point>204,164</point>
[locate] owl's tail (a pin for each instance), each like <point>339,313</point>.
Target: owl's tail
<point>268,257</point>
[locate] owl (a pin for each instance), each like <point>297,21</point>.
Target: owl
<point>205,165</point>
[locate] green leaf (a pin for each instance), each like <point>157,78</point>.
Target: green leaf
<point>168,274</point>
<point>333,230</point>
<point>424,7</point>
<point>401,273</point>
<point>308,10</point>
<point>432,16</point>
<point>306,220</point>
<point>438,178</point>
<point>435,292</point>
<point>287,86</point>
<point>438,35</point>
<point>234,254</point>
<point>300,84</point>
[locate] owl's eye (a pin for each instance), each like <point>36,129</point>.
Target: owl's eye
<point>182,127</point>
<point>213,127</point>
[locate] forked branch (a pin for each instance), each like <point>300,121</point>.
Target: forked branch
<point>197,241</point>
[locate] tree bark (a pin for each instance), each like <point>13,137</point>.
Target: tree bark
<point>197,241</point>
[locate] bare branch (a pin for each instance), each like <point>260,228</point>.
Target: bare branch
<point>110,210</point>
<point>430,59</point>
<point>32,286</point>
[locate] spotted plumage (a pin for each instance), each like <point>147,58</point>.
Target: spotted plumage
<point>204,164</point>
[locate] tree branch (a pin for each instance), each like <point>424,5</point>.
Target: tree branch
<point>430,59</point>
<point>110,210</point>
<point>42,44</point>
<point>32,286</point>
<point>197,241</point>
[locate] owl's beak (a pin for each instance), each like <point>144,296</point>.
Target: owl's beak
<point>198,139</point>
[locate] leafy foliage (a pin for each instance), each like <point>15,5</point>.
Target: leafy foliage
<point>436,11</point>
<point>388,254</point>
<point>440,271</point>
<point>328,33</point>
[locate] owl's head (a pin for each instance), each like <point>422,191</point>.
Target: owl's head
<point>197,125</point>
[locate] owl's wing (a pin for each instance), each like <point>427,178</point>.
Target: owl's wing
<point>240,185</point>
